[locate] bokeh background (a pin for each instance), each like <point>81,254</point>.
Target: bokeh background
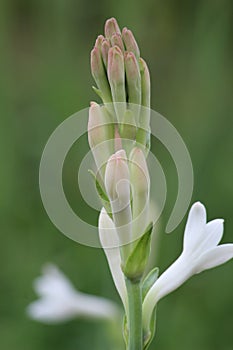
<point>44,78</point>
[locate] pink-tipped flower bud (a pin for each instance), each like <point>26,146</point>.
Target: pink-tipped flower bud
<point>99,41</point>
<point>116,77</point>
<point>99,74</point>
<point>105,46</point>
<point>140,185</point>
<point>111,27</point>
<point>143,134</point>
<point>117,180</point>
<point>116,40</point>
<point>133,78</point>
<point>130,42</point>
<point>116,71</point>
<point>117,184</point>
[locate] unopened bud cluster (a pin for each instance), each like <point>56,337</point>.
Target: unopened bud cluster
<point>123,82</point>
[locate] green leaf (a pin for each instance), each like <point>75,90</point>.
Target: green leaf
<point>136,262</point>
<point>102,194</point>
<point>149,281</point>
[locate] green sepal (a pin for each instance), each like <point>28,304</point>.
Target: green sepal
<point>146,285</point>
<point>136,262</point>
<point>98,92</point>
<point>147,338</point>
<point>149,280</point>
<point>102,194</point>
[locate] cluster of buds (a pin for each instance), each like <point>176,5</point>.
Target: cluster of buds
<point>123,83</point>
<point>119,132</point>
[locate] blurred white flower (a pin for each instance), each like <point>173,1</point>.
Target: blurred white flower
<point>60,301</point>
<point>200,252</point>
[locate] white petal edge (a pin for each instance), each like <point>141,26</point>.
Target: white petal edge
<point>215,257</point>
<point>53,282</point>
<point>194,226</point>
<point>110,243</point>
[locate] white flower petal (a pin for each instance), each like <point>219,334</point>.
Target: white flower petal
<point>53,282</point>
<point>195,225</point>
<point>200,253</point>
<point>60,301</point>
<point>48,310</point>
<point>170,280</point>
<point>212,234</point>
<point>214,257</point>
<point>91,306</point>
<point>110,243</point>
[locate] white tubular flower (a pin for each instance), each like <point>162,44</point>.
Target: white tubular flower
<point>60,301</point>
<point>110,243</point>
<point>117,184</point>
<point>200,252</point>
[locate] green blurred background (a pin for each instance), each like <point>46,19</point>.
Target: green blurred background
<point>44,78</point>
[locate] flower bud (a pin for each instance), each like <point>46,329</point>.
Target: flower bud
<point>145,81</point>
<point>117,184</point>
<point>99,41</point>
<point>99,74</point>
<point>136,263</point>
<point>111,27</point>
<point>140,182</point>
<point>130,42</point>
<point>117,177</point>
<point>116,77</point>
<point>116,40</point>
<point>133,82</point>
<point>143,134</point>
<point>100,135</point>
<point>105,46</point>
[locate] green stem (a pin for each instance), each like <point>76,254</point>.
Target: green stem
<point>134,322</point>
